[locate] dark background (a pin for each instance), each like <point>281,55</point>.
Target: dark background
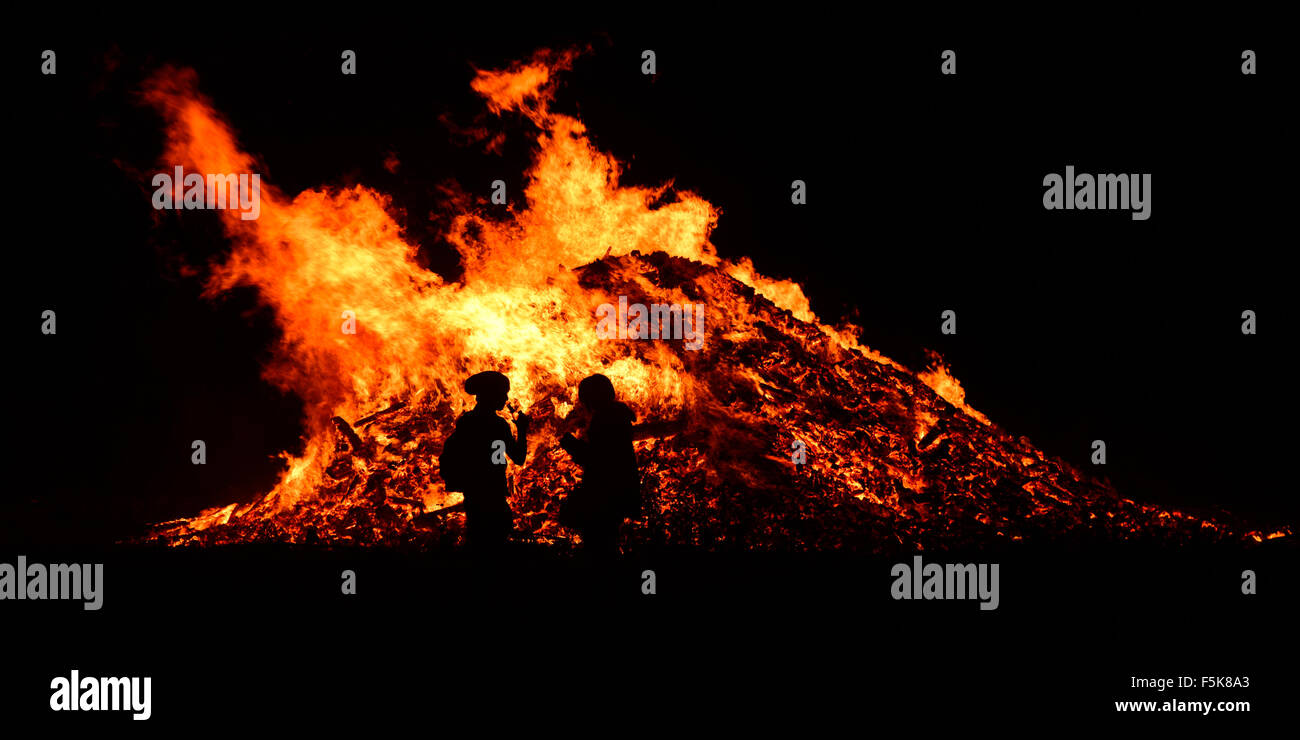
<point>924,194</point>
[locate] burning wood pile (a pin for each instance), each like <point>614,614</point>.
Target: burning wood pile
<point>775,432</point>
<point>889,462</point>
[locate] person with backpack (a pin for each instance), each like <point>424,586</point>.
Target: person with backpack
<point>473,460</point>
<point>610,488</point>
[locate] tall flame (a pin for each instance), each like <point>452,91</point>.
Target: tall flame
<point>518,308</point>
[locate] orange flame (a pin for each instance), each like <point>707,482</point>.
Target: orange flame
<point>939,378</point>
<point>519,308</point>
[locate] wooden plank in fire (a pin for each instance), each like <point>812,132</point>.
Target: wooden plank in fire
<point>347,431</point>
<point>435,516</point>
<point>367,419</point>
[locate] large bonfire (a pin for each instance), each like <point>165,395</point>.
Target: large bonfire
<point>894,458</point>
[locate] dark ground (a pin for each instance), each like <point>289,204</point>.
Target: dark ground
<point>250,635</point>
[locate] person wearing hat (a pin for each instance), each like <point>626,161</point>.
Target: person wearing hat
<point>483,436</point>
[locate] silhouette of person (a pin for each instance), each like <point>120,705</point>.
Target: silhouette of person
<point>488,518</point>
<point>608,492</point>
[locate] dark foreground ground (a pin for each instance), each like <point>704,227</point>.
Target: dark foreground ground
<point>256,638</point>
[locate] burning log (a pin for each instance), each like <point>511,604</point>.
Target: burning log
<point>435,517</point>
<point>366,420</point>
<point>346,430</point>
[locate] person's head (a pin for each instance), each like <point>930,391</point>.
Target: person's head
<point>596,392</point>
<point>489,388</point>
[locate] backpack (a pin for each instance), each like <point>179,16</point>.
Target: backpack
<point>453,462</point>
